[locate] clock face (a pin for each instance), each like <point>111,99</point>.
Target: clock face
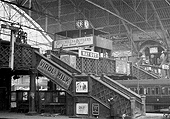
<point>82,24</point>
<point>86,24</point>
<point>79,24</point>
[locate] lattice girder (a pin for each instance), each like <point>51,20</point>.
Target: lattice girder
<point>22,55</point>
<point>103,93</point>
<point>86,65</point>
<point>140,74</point>
<point>4,55</point>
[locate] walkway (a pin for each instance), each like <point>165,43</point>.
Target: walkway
<point>13,115</point>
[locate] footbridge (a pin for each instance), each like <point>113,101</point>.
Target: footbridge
<point>90,91</point>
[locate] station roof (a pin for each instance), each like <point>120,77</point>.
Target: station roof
<point>114,17</point>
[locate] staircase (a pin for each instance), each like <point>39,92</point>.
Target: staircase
<point>114,95</point>
<point>102,89</point>
<point>54,72</point>
<point>140,73</point>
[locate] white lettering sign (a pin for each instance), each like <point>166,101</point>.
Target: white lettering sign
<point>55,74</point>
<point>82,108</point>
<point>88,54</point>
<point>73,42</point>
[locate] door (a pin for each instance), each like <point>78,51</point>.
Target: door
<point>3,101</point>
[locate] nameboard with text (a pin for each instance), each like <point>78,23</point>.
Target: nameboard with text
<point>88,54</point>
<point>54,74</point>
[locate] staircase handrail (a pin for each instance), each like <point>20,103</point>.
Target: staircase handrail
<point>122,88</point>
<point>153,75</point>
<point>56,59</point>
<point>109,86</point>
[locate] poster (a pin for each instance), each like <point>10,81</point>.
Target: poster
<point>81,86</point>
<point>82,108</point>
<point>121,67</point>
<point>25,95</point>
<point>95,109</point>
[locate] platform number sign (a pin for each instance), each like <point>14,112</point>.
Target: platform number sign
<point>95,109</point>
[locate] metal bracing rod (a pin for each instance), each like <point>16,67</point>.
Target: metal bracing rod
<point>81,12</point>
<point>85,17</point>
<point>167,2</point>
<point>118,16</point>
<point>39,43</point>
<point>30,5</point>
<point>12,22</point>
<point>163,29</point>
<point>141,17</point>
<point>29,21</point>
<point>57,20</point>
<point>59,14</point>
<point>33,10</point>
<point>123,22</point>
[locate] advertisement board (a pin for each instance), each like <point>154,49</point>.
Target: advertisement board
<point>81,86</point>
<point>95,109</point>
<point>54,74</point>
<point>122,67</point>
<point>75,42</point>
<point>81,108</point>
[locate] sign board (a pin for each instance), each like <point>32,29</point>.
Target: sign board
<point>13,104</point>
<point>88,54</point>
<point>81,108</point>
<point>126,53</point>
<point>54,74</point>
<point>121,67</point>
<point>165,66</point>
<point>95,109</point>
<point>81,86</point>
<point>76,42</point>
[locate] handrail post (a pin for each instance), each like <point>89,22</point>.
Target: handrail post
<point>143,105</point>
<point>132,100</point>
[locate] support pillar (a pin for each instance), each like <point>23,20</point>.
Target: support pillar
<point>74,94</point>
<point>168,60</point>
<point>143,105</point>
<point>32,92</point>
<point>132,100</point>
<point>89,95</point>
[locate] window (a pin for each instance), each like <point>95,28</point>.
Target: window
<point>169,90</point>
<point>148,91</point>
<point>157,90</point>
<point>153,91</point>
<point>141,90</point>
<point>164,90</point>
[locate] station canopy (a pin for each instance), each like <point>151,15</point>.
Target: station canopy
<point>36,36</point>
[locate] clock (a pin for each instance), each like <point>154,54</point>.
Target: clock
<point>79,24</point>
<point>86,24</point>
<point>82,24</point>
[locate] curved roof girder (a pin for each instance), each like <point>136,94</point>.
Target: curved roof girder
<point>126,27</point>
<point>31,21</point>
<point>118,17</point>
<point>162,28</point>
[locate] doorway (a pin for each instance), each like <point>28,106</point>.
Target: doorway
<point>3,100</point>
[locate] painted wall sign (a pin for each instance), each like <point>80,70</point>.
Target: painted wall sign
<point>95,109</point>
<point>73,42</point>
<point>54,74</point>
<point>88,54</point>
<point>81,108</point>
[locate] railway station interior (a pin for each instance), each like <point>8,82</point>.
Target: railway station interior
<point>85,58</point>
